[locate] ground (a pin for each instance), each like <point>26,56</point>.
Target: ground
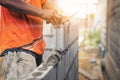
<point>85,56</point>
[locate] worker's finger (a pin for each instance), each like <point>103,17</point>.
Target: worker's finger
<point>48,22</point>
<point>57,18</point>
<point>55,26</point>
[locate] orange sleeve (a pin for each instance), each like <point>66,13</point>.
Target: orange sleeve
<point>43,1</point>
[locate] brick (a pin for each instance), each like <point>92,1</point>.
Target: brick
<point>66,63</point>
<point>52,75</point>
<point>60,38</point>
<point>60,70</point>
<point>48,29</point>
<point>50,42</point>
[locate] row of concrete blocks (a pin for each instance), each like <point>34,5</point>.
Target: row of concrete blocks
<point>63,38</point>
<point>66,69</point>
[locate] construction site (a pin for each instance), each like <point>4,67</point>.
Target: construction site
<point>87,49</point>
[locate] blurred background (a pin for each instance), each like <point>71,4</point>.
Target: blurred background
<point>91,15</point>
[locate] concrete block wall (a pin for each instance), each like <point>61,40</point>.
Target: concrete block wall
<point>113,40</point>
<point>67,67</point>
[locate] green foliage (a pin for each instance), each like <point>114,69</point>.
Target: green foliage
<point>92,38</point>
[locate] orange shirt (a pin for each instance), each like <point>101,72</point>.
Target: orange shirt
<point>19,29</point>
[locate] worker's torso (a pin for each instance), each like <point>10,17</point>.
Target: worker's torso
<point>18,29</point>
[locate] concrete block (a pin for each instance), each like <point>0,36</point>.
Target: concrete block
<point>43,73</point>
<point>60,70</point>
<point>50,42</point>
<point>75,49</point>
<point>70,58</point>
<point>52,75</point>
<point>48,29</point>
<point>66,36</point>
<point>60,38</point>
<point>66,63</point>
<point>76,74</point>
<point>73,31</point>
<point>70,75</point>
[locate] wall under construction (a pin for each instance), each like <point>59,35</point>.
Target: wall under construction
<point>65,38</point>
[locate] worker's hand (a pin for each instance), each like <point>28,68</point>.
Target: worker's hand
<point>52,16</point>
<point>63,21</point>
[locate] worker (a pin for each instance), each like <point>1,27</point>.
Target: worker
<point>21,26</point>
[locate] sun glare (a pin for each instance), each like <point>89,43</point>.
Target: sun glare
<point>84,7</point>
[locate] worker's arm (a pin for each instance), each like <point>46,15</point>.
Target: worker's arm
<point>21,7</point>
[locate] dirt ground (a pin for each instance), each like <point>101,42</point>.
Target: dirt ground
<point>85,64</point>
